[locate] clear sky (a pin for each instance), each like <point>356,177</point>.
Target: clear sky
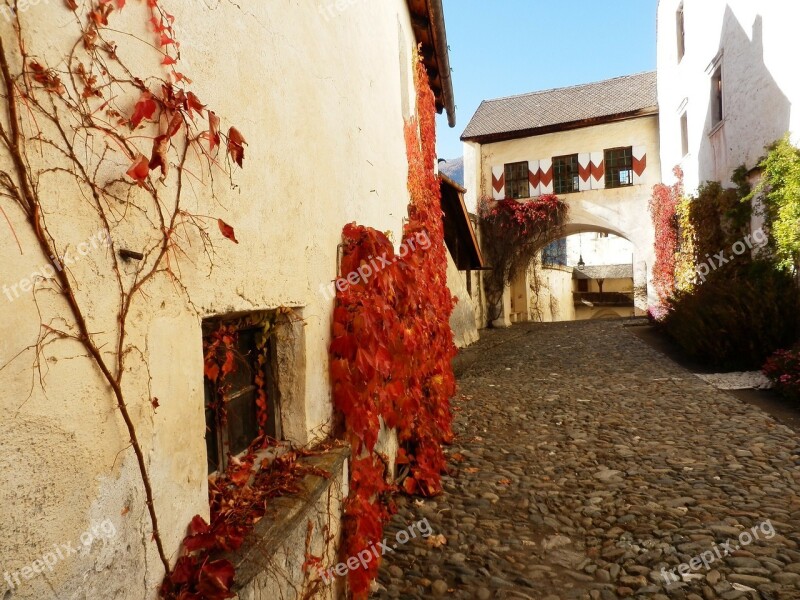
<point>506,47</point>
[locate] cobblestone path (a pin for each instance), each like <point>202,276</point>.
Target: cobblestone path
<point>585,463</point>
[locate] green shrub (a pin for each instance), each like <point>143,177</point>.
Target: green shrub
<point>736,319</point>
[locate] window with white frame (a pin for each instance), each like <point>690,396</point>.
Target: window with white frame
<point>717,97</point>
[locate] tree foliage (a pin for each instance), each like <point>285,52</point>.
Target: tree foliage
<point>780,187</point>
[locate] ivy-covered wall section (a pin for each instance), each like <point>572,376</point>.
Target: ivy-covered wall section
<point>392,346</point>
<point>727,292</point>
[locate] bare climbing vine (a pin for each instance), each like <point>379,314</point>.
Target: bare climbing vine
<point>123,148</point>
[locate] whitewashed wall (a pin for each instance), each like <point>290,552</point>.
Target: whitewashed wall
<point>754,43</point>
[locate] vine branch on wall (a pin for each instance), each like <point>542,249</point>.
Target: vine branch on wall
<point>83,121</point>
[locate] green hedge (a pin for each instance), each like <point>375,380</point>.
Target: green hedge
<point>736,319</point>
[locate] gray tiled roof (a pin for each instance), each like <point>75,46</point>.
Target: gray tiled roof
<point>604,272</point>
<point>563,105</point>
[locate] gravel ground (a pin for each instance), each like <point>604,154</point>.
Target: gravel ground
<point>588,466</point>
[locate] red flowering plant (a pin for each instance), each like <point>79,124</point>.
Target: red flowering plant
<point>783,369</point>
<point>513,232</point>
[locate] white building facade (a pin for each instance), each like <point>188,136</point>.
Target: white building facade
<point>727,84</point>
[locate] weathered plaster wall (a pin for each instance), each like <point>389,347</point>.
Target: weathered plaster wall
<point>318,98</point>
<point>462,321</point>
<point>752,42</point>
<point>554,301</point>
<point>473,181</point>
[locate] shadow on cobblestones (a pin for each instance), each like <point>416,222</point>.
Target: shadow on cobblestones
<point>585,463</point>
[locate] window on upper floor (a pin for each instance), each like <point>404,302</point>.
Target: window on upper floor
<point>684,134</point>
<point>619,167</point>
<point>717,100</point>
<point>517,182</point>
<point>681,30</point>
<point>565,174</point>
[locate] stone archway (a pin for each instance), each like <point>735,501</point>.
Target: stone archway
<point>516,304</point>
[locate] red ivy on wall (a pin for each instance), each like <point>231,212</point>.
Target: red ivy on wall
<point>524,219</point>
<point>663,210</point>
<point>392,346</point>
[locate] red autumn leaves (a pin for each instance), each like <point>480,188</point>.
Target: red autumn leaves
<point>391,351</point>
<point>174,109</point>
<point>47,78</point>
<point>663,208</point>
<point>177,109</point>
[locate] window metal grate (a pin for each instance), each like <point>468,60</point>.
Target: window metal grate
<point>230,431</point>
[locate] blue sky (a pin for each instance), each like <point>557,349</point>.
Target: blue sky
<point>506,47</point>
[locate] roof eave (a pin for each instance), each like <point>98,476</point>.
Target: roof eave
<point>535,131</point>
<point>427,18</point>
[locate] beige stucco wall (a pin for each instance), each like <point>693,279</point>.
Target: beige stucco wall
<point>622,211</point>
<point>752,42</point>
<point>554,301</point>
<point>318,99</point>
<point>462,321</point>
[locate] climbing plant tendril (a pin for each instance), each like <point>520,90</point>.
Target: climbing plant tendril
<point>513,232</point>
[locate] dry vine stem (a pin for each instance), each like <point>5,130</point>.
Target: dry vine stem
<point>75,123</point>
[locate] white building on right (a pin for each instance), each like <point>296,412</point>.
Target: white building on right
<point>728,84</point>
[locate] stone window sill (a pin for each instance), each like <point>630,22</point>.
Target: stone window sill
<point>285,515</point>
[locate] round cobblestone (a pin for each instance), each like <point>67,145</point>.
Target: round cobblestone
<point>589,466</point>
